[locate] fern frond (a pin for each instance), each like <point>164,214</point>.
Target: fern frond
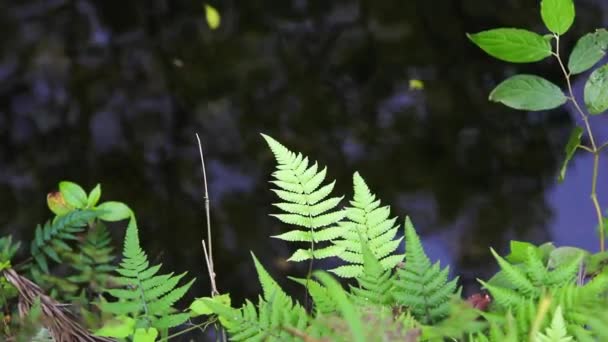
<point>146,297</point>
<point>275,312</point>
<point>556,332</point>
<point>375,284</point>
<point>369,221</point>
<point>52,237</point>
<point>421,287</point>
<point>305,203</point>
<point>324,304</point>
<point>516,276</point>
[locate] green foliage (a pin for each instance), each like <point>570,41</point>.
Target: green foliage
<point>93,262</point>
<point>369,221</point>
<point>375,283</point>
<point>8,249</point>
<point>589,50</point>
<point>558,15</point>
<point>556,332</point>
<point>596,91</point>
<point>512,44</point>
<point>573,143</point>
<point>147,298</point>
<point>420,286</point>
<point>528,92</point>
<point>275,312</point>
<point>50,239</point>
<point>305,203</point>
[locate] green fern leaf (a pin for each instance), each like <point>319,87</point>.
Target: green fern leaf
<point>50,236</point>
<point>516,276</point>
<point>324,304</point>
<point>275,312</point>
<point>306,204</point>
<point>367,220</point>
<point>147,297</point>
<point>375,283</point>
<point>557,331</point>
<point>421,287</point>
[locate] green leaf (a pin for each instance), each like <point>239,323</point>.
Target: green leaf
<point>119,327</point>
<point>558,15</point>
<point>512,44</point>
<point>57,203</point>
<point>565,255</point>
<point>73,194</point>
<point>198,307</point>
<point>145,335</point>
<point>114,211</point>
<point>589,49</point>
<point>596,91</point>
<point>573,142</point>
<point>94,196</point>
<point>212,16</point>
<point>519,251</point>
<point>528,92</point>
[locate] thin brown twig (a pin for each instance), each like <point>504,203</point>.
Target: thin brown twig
<point>207,211</point>
<point>208,248</point>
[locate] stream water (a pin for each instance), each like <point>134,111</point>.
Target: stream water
<point>113,92</point>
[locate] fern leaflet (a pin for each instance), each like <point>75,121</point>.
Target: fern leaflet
<point>305,203</point>
<point>146,297</point>
<point>52,237</point>
<point>369,221</point>
<point>375,283</point>
<point>421,287</point>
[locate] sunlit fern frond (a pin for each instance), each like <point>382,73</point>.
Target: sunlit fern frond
<point>305,203</point>
<point>366,219</point>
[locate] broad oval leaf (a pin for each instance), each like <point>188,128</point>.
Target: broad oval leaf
<point>73,194</point>
<point>528,92</point>
<point>558,15</point>
<point>589,49</point>
<point>57,203</point>
<point>512,44</point>
<point>596,91</point>
<point>573,142</point>
<point>114,211</point>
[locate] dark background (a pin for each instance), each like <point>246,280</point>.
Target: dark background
<point>113,92</point>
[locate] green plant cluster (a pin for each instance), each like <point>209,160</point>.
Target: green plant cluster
<point>540,293</point>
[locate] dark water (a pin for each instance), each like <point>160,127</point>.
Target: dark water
<point>113,92</point>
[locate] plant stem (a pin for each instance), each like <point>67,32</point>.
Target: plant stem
<point>593,150</point>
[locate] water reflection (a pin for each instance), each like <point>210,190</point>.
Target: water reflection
<point>112,92</point>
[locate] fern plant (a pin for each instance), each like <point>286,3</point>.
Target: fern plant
<point>305,203</point>
<point>92,262</point>
<point>52,237</point>
<point>519,287</point>
<point>423,288</point>
<point>146,301</point>
<point>376,285</point>
<point>370,221</point>
<point>272,319</point>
